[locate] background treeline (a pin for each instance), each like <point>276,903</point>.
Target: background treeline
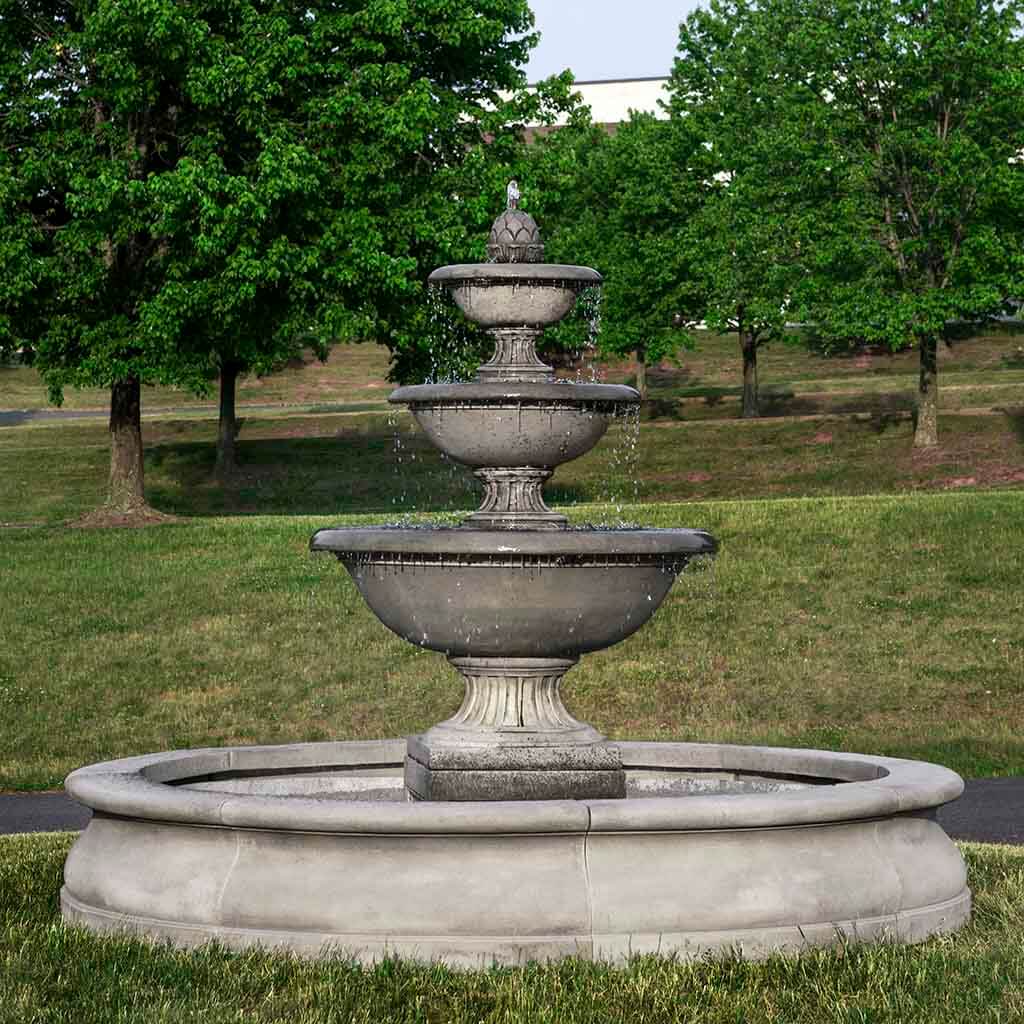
<point>190,193</point>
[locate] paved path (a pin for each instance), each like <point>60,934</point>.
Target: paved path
<point>990,811</point>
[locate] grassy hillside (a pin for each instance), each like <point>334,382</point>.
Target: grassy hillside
<point>889,625</point>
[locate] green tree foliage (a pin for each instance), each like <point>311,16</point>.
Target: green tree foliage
<point>205,187</point>
<point>620,203</point>
<point>899,124</point>
<point>760,179</point>
<point>925,119</point>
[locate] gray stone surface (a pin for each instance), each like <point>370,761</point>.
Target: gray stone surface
<point>515,432</point>
<point>495,761</point>
<point>515,294</point>
<point>578,756</point>
<point>470,784</point>
<point>472,883</point>
<point>989,811</point>
<point>499,594</point>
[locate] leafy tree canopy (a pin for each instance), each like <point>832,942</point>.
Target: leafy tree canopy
<point>762,179</point>
<point>620,203</point>
<point>898,126</point>
<point>223,181</point>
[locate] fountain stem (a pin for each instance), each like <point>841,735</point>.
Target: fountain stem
<point>514,500</point>
<point>512,739</point>
<point>513,702</point>
<point>515,357</point>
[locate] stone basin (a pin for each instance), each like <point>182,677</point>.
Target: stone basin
<point>525,594</point>
<point>530,424</point>
<point>717,849</point>
<point>515,294</point>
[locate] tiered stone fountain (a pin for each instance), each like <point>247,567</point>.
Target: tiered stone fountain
<point>513,831</point>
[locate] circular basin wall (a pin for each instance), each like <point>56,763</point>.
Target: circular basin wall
<point>313,848</point>
<point>515,294</point>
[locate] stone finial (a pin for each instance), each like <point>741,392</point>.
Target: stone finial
<point>515,237</point>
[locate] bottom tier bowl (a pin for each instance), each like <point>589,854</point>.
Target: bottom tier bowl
<point>315,849</point>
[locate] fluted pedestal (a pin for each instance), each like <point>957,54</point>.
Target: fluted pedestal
<point>515,357</point>
<point>514,500</point>
<point>513,739</point>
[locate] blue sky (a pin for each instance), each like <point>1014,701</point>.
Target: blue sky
<point>607,38</point>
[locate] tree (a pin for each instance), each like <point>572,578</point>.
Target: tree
<point>912,112</point>
<point>620,203</point>
<point>759,180</point>
<point>223,180</point>
<point>927,122</point>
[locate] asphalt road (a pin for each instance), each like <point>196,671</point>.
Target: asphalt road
<point>990,811</point>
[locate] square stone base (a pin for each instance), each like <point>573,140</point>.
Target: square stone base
<point>573,772</point>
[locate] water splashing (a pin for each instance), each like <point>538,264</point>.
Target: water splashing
<point>620,486</point>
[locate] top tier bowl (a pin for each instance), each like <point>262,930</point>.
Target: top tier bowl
<point>514,294</point>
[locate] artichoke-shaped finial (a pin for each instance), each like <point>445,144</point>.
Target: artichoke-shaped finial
<point>515,237</point>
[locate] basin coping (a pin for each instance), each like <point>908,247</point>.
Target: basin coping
<point>547,543</point>
<point>516,273</point>
<point>567,393</point>
<point>138,787</point>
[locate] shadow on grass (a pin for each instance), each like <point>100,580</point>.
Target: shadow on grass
<point>349,474</point>
<point>780,404</point>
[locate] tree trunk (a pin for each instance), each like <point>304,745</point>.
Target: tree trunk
<point>926,431</point>
<point>641,370</point>
<point>126,492</point>
<point>227,429</point>
<point>748,345</point>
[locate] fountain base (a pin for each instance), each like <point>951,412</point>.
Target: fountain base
<point>513,739</point>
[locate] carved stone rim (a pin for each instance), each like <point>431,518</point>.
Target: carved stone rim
<point>401,560</point>
<point>454,542</point>
<point>149,787</point>
<point>483,274</point>
<point>515,393</point>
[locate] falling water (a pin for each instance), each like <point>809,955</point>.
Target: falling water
<point>589,306</point>
<point>620,480</point>
<point>425,477</point>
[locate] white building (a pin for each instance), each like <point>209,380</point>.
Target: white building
<point>611,100</point>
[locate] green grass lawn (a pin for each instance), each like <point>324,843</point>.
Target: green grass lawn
<point>331,464</point>
<point>883,624</point>
<point>875,606</point>
<point>708,378</point>
<point>832,426</point>
<point>51,973</point>
<point>715,362</point>
<point>354,373</point>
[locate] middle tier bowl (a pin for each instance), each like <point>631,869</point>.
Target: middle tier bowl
<point>512,424</point>
<point>528,594</point>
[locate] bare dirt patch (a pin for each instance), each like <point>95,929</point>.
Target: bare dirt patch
<point>108,518</point>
